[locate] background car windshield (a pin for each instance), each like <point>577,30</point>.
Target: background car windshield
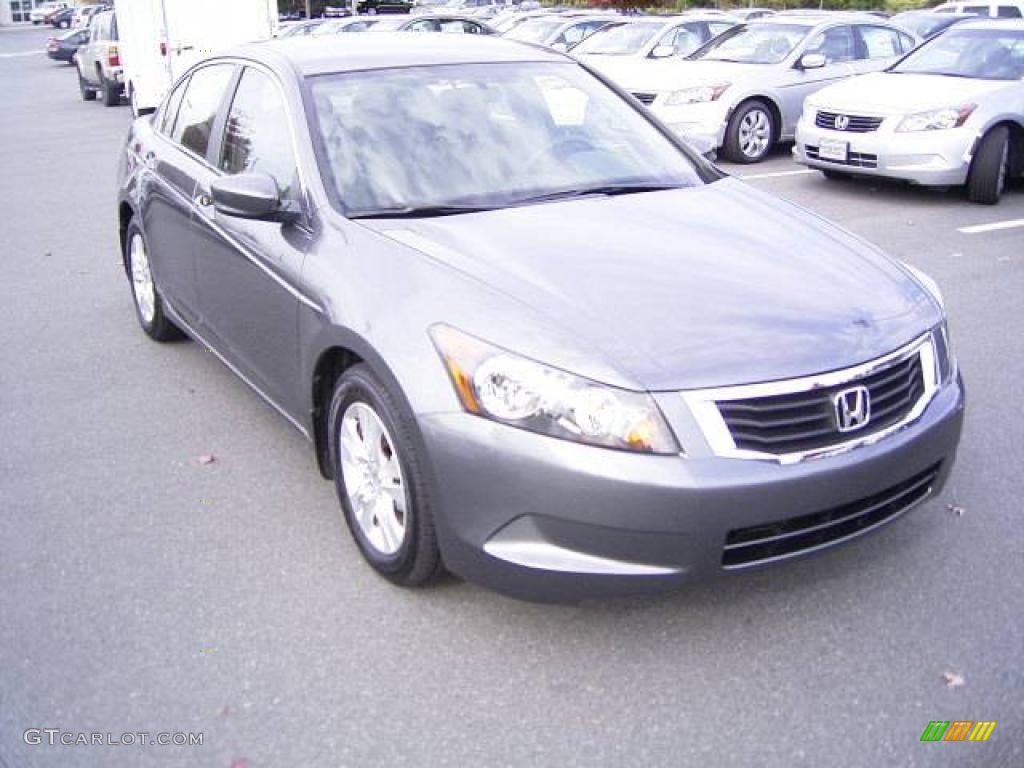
<point>534,30</point>
<point>490,135</point>
<point>985,54</point>
<point>755,44</point>
<point>622,40</point>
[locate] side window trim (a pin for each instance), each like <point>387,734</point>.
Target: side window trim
<point>220,114</point>
<point>219,122</point>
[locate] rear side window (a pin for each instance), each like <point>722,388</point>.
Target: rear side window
<point>1008,12</point>
<point>835,44</point>
<point>199,106</point>
<point>977,10</point>
<point>881,42</point>
<point>170,109</point>
<point>257,137</point>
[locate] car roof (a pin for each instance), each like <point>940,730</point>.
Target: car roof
<point>385,50</point>
<point>983,23</point>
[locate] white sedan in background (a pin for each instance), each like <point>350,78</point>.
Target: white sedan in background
<point>950,113</point>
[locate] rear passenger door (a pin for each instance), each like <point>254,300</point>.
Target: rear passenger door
<point>248,271</point>
<point>186,124</point>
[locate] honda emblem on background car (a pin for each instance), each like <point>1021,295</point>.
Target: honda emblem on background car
<point>853,408</point>
<point>842,122</point>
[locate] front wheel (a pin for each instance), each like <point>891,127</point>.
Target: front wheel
<point>380,479</point>
<point>986,179</point>
<point>750,133</point>
<point>149,305</point>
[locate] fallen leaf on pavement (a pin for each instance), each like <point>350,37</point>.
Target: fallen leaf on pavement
<point>953,680</point>
<point>955,509</point>
<point>206,458</point>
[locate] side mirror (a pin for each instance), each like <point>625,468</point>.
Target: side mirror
<point>662,51</point>
<point>811,61</point>
<point>251,196</point>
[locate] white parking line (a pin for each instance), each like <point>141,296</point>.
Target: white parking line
<point>20,53</point>
<point>777,174</point>
<point>994,226</point>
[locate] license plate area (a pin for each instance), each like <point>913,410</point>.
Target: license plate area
<point>830,149</point>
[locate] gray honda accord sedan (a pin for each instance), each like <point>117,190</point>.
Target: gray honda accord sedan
<point>532,337</point>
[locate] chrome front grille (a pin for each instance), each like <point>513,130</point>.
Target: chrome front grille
<point>853,159</point>
<point>850,123</point>
<point>821,415</point>
<point>796,535</point>
<point>805,421</point>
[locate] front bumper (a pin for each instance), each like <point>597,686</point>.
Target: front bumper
<point>933,158</point>
<point>545,519</point>
<point>706,121</point>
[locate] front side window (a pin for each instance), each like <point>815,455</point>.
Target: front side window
<point>835,44</point>
<point>491,135</point>
<point>684,40</point>
<point>257,138</point>
<point>754,43</point>
<point>984,54</point>
<point>199,107</point>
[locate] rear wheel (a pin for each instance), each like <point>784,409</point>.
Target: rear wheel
<point>88,94</point>
<point>986,179</point>
<point>750,133</point>
<point>149,305</point>
<point>111,93</point>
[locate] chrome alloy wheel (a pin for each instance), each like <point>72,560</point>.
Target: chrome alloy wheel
<point>373,478</point>
<point>755,133</point>
<point>142,279</point>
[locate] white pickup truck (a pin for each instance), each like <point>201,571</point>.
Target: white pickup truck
<point>160,39</point>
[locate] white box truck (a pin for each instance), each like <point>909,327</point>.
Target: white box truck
<point>160,39</point>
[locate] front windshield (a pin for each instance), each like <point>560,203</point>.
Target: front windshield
<point>754,43</point>
<point>621,40</point>
<point>491,135</point>
<point>984,54</point>
<point>534,30</point>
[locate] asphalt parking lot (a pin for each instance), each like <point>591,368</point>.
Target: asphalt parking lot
<point>144,591</point>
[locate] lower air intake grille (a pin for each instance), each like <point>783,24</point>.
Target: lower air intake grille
<point>785,538</point>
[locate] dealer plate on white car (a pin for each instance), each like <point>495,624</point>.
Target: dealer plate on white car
<point>830,149</point>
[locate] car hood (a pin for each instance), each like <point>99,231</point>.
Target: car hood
<point>672,74</point>
<point>895,94</point>
<point>709,286</point>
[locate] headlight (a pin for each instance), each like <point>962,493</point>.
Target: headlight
<point>696,95</point>
<point>514,390</point>
<point>937,119</point>
<point>945,361</point>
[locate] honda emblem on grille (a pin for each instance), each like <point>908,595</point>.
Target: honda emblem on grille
<point>842,122</point>
<point>853,408</point>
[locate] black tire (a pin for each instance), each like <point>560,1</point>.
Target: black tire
<point>986,178</point>
<point>111,93</point>
<point>737,147</point>
<point>417,560</point>
<point>836,175</point>
<point>159,327</point>
<point>88,94</point>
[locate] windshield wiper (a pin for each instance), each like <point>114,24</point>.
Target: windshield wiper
<point>417,211</point>
<point>604,189</point>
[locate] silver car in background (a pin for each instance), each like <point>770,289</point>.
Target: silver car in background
<point>950,113</point>
<point>560,32</point>
<point>744,91</point>
<point>624,52</point>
